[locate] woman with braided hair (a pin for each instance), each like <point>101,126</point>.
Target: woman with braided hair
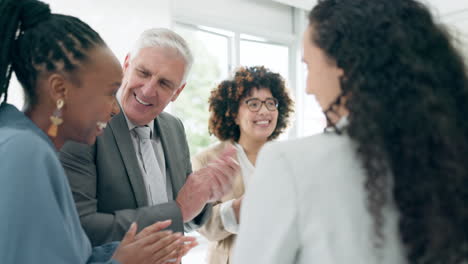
<point>70,78</point>
<point>388,182</point>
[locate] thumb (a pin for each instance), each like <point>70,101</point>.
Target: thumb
<point>130,235</point>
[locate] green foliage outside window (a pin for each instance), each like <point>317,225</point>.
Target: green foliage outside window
<point>192,105</point>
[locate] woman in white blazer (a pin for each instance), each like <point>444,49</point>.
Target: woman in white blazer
<point>388,181</point>
<point>247,111</point>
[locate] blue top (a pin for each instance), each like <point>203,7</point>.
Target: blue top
<point>38,218</point>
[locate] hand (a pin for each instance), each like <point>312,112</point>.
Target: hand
<point>223,170</point>
<point>184,249</point>
<point>193,195</point>
<point>236,206</point>
<point>150,246</point>
<point>208,184</point>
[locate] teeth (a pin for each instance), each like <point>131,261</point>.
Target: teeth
<point>101,125</point>
<point>141,101</point>
<point>262,122</point>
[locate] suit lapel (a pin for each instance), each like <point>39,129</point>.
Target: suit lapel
<point>167,140</point>
<point>124,142</point>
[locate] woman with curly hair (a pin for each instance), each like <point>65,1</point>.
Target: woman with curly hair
<point>248,111</point>
<point>389,182</point>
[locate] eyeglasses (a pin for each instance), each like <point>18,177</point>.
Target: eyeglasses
<point>255,104</point>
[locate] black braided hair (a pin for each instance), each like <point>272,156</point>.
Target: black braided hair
<point>35,41</point>
<point>407,88</point>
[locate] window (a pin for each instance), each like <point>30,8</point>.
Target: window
<point>257,51</point>
<point>211,64</point>
<point>217,54</point>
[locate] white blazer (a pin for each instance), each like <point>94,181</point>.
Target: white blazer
<point>307,204</point>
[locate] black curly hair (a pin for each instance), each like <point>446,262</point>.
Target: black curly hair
<point>35,41</point>
<point>225,99</point>
<point>407,94</point>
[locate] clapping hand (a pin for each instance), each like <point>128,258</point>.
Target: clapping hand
<point>208,184</point>
<point>152,246</point>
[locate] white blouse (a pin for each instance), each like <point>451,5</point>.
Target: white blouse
<point>307,204</point>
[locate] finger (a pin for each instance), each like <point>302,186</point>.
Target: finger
<point>186,248</point>
<point>188,239</point>
<point>219,172</point>
<point>224,181</point>
<point>215,183</point>
<point>228,165</point>
<point>158,226</point>
<point>130,235</point>
<point>171,259</point>
<point>164,244</point>
<point>223,167</point>
<point>166,251</point>
<point>229,150</point>
<point>231,163</point>
<point>153,238</point>
<point>216,190</point>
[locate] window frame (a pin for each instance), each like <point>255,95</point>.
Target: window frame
<point>291,41</point>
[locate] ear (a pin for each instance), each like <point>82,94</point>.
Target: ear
<point>340,72</point>
<point>236,120</point>
<point>126,62</point>
<point>179,90</point>
<point>57,86</point>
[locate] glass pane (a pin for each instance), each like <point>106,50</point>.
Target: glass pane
<point>313,120</point>
<point>274,57</point>
<point>210,66</point>
<point>210,51</point>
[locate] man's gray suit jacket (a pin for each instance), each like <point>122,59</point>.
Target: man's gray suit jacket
<point>108,186</point>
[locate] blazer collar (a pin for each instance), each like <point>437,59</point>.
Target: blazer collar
<point>173,161</point>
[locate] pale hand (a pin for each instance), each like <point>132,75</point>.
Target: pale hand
<point>208,184</point>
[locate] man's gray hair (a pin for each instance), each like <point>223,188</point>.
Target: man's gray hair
<point>162,37</point>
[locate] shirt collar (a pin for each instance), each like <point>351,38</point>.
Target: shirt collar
<point>340,125</point>
<point>130,124</point>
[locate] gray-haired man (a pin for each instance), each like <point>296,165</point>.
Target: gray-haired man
<point>139,169</point>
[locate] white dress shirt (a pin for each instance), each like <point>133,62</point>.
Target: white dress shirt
<point>307,204</point>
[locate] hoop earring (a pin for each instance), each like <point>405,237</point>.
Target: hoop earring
<point>56,119</point>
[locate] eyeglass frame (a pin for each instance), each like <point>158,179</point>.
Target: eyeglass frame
<point>262,102</point>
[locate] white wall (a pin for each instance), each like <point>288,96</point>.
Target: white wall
<point>118,22</point>
<point>458,24</point>
<point>256,17</point>
<point>454,14</point>
<point>304,4</point>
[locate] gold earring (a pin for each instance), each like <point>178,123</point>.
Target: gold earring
<point>56,119</point>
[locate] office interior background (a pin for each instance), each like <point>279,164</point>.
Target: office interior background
<point>224,35</point>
